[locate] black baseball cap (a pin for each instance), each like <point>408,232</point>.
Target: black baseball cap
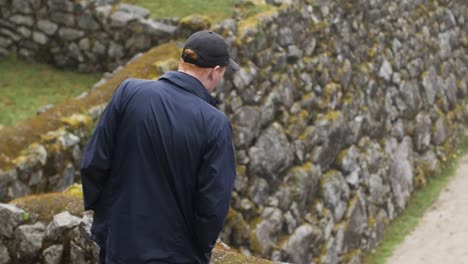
<point>211,49</point>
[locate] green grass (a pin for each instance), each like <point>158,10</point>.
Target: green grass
<point>420,202</point>
<point>26,86</point>
<point>216,10</point>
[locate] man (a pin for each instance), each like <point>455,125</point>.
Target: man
<point>159,169</point>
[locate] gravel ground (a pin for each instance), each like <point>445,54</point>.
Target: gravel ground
<point>442,234</point>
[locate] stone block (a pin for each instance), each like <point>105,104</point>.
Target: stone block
<point>40,38</point>
<point>70,34</point>
<point>116,51</point>
<point>67,179</point>
<point>60,224</point>
<point>47,27</point>
<point>134,10</point>
<point>21,6</point>
<point>87,22</point>
<point>61,5</point>
<point>53,254</point>
<point>18,189</point>
<point>63,19</point>
<point>5,255</point>
<point>121,19</point>
<point>28,242</point>
<point>22,20</point>
<point>5,42</point>
<point>10,217</point>
<point>25,32</point>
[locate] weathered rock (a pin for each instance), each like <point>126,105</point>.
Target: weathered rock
<point>70,34</point>
<point>441,131</point>
<point>294,53</point>
<point>22,20</point>
<point>120,19</point>
<point>266,231</point>
<point>303,183</point>
<point>411,97</point>
<point>59,5</point>
<point>11,216</point>
<point>53,254</point>
<point>61,223</point>
<point>333,136</point>
<point>28,242</point>
<point>87,22</point>
<point>134,10</point>
<point>401,173</point>
<point>40,38</point>
<point>158,30</point>
<point>333,248</point>
<point>272,154</point>
<point>259,190</point>
<point>357,222</point>
<point>423,129</point>
<point>242,79</point>
<point>386,70</point>
<point>303,244</point>
<point>6,179</point>
<point>77,254</point>
<point>378,191</point>
<point>62,19</point>
<point>115,51</point>
<point>450,87</point>
<point>335,193</point>
<point>18,189</point>
<point>5,255</point>
<point>245,126</point>
<point>21,6</point>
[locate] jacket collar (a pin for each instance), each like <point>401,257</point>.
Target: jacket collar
<point>189,84</point>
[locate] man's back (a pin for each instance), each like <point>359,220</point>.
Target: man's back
<point>171,164</point>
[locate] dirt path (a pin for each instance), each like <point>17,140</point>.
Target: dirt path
<point>442,234</point>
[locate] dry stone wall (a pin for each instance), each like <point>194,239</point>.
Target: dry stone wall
<point>341,110</point>
<point>87,35</point>
<point>65,237</point>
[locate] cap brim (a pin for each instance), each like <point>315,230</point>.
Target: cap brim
<point>233,65</point>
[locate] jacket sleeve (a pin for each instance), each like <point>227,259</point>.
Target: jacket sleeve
<point>96,163</point>
<point>215,182</point>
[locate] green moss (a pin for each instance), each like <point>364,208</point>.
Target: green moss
<point>419,180</point>
<point>331,116</point>
<point>76,121</point>
<point>229,257</point>
<point>318,27</point>
<point>348,98</point>
<point>327,177</point>
<point>241,170</point>
<point>252,23</point>
<point>341,156</point>
<point>195,22</point>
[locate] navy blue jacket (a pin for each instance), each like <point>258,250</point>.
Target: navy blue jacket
<point>158,172</point>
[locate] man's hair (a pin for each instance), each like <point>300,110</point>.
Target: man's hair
<point>189,66</point>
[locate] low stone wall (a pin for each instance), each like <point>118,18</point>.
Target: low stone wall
<point>78,34</point>
<point>31,237</point>
<point>339,113</point>
<point>53,163</point>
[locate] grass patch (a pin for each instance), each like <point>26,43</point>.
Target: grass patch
<point>216,10</point>
<point>15,138</point>
<point>420,201</point>
<point>26,86</point>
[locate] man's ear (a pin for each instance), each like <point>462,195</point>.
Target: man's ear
<point>214,71</point>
